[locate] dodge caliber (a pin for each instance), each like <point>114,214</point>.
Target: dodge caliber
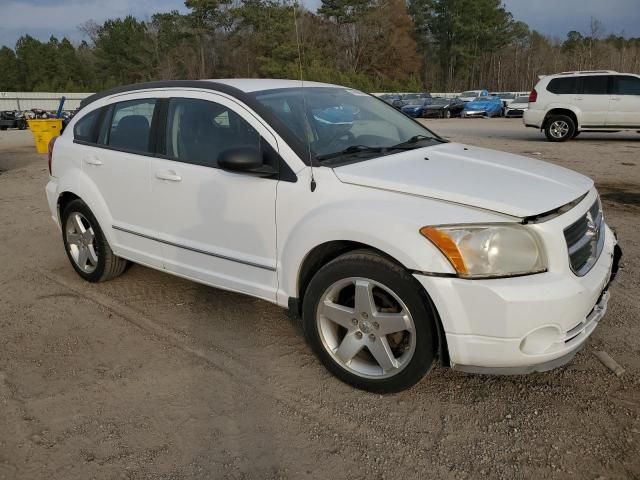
<point>396,247</point>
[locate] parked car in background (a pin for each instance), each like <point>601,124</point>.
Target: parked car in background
<point>497,263</point>
<point>483,107</point>
<point>416,107</point>
<point>517,107</point>
<point>470,95</point>
<point>390,97</point>
<point>444,108</point>
<point>565,104</point>
<point>12,119</point>
<point>407,98</point>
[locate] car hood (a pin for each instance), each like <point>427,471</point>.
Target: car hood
<point>478,177</point>
<point>436,107</point>
<point>412,107</point>
<point>480,104</point>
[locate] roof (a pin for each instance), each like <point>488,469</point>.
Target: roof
<point>255,84</point>
<point>233,86</point>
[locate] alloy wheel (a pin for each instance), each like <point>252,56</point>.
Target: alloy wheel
<point>81,242</point>
<point>366,328</point>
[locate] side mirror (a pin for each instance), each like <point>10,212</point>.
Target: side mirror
<point>247,160</point>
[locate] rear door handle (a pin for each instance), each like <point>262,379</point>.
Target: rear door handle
<point>578,98</point>
<point>616,99</point>
<point>169,175</point>
<point>93,161</point>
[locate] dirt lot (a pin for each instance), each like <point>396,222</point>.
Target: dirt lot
<point>151,376</point>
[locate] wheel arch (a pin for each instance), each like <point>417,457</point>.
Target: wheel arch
<point>560,111</point>
<point>77,185</point>
<point>325,252</point>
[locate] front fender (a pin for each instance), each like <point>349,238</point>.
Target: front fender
<point>387,221</point>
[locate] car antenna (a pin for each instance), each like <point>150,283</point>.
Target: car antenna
<point>304,100</point>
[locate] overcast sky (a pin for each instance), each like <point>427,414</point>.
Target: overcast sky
<point>42,18</point>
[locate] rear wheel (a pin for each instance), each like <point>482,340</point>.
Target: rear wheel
<point>86,246</point>
<point>559,128</point>
<point>369,322</point>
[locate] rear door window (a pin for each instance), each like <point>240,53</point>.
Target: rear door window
<point>595,85</point>
<point>627,85</point>
<point>563,86</point>
<point>130,128</point>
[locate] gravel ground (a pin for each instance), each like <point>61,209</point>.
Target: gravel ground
<point>152,376</point>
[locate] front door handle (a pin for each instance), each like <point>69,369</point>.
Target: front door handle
<point>93,161</point>
<point>169,175</point>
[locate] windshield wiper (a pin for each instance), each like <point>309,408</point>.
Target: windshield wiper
<point>408,144</point>
<point>349,150</point>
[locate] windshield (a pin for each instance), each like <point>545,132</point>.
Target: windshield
<point>410,96</point>
<point>469,94</point>
<point>441,101</point>
<point>342,122</point>
<point>506,96</point>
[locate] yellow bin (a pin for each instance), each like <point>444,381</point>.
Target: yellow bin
<point>43,130</point>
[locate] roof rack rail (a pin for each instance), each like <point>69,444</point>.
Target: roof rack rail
<point>578,72</point>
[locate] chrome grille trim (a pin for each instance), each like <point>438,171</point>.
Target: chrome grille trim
<point>585,239</point>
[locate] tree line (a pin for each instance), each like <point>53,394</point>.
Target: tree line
<point>373,45</point>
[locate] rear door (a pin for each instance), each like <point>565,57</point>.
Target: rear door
<point>119,166</point>
<point>624,110</point>
<point>593,100</point>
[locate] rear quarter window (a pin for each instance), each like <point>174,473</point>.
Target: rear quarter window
<point>563,86</point>
<point>84,129</point>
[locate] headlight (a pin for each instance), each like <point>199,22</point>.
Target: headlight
<point>481,251</point>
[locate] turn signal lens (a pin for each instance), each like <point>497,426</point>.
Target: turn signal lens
<point>447,246</point>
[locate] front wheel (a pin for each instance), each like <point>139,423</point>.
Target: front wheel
<point>370,322</point>
<point>86,246</point>
<point>559,128</point>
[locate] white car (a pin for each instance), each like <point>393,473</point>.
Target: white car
<point>517,107</point>
<point>568,103</point>
<point>397,247</point>
<point>470,95</point>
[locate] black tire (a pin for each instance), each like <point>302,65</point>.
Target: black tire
<point>554,133</point>
<point>3,128</point>
<point>447,114</point>
<point>108,265</point>
<point>370,265</point>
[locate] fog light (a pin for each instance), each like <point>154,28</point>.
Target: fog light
<point>540,340</point>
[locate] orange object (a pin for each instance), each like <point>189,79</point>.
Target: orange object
<point>447,246</point>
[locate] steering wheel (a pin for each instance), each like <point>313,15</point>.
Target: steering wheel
<point>350,137</point>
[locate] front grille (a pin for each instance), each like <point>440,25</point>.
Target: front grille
<point>585,239</point>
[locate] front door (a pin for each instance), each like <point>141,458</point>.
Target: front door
<point>215,226</point>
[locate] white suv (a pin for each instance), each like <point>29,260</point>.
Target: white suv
<point>396,246</point>
<point>568,103</point>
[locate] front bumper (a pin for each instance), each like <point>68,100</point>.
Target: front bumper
<point>522,324</point>
<point>514,112</point>
<point>474,113</point>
